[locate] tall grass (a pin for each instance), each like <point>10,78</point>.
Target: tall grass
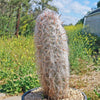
<point>81,47</point>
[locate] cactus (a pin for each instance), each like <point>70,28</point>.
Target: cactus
<point>52,55</point>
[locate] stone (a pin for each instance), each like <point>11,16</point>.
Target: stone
<point>13,98</point>
<point>2,95</point>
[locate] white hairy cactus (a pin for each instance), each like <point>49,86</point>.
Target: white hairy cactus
<point>52,55</point>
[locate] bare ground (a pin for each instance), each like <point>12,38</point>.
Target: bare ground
<point>87,82</point>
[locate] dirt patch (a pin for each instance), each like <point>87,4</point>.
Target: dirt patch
<point>88,81</point>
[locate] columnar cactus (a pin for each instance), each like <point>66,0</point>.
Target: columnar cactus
<point>52,55</point>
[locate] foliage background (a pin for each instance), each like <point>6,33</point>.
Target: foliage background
<point>17,59</point>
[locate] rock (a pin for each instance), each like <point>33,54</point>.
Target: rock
<point>13,98</point>
<point>2,95</point>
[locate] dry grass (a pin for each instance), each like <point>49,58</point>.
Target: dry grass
<point>87,82</point>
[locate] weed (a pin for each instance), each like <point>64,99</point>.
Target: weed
<point>97,92</point>
<point>17,65</point>
<point>81,47</point>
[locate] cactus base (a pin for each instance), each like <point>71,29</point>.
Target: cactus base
<point>37,94</point>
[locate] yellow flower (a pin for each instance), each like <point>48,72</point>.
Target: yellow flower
<point>98,58</point>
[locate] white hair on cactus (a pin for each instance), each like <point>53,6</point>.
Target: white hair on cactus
<point>52,55</point>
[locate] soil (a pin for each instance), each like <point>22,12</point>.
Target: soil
<point>38,95</point>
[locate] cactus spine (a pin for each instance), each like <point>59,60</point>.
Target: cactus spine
<point>52,55</point>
